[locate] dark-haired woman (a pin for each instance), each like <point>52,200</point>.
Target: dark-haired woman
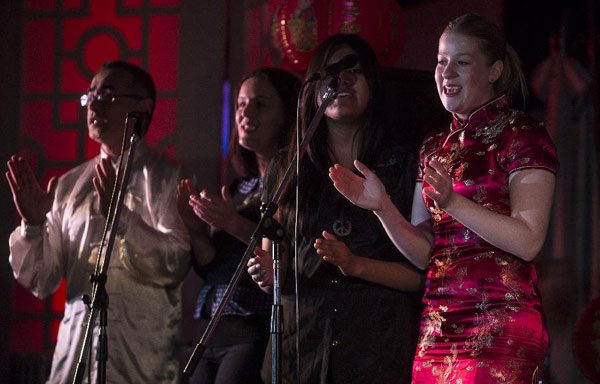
<point>358,310</point>
<point>480,215</point>
<point>264,117</point>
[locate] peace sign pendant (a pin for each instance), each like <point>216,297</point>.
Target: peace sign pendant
<point>342,227</point>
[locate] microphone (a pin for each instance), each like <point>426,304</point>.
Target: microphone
<point>138,115</point>
<point>334,69</point>
<point>141,120</point>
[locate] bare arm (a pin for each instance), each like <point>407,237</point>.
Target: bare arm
<point>391,274</point>
<point>220,212</point>
<point>414,241</point>
<point>395,275</point>
<point>523,232</point>
<point>202,249</point>
<point>241,228</point>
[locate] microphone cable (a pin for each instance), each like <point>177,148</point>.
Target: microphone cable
<point>296,213</point>
<point>296,229</point>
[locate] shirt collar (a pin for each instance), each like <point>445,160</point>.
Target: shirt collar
<point>141,148</point>
<point>480,114</point>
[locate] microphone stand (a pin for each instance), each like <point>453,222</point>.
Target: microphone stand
<point>276,317</point>
<point>99,300</point>
<point>266,227</point>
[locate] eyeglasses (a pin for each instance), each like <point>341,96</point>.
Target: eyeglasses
<point>102,98</point>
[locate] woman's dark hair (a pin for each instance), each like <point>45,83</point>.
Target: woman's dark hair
<point>317,150</point>
<point>494,46</point>
<point>287,86</point>
<point>314,167</point>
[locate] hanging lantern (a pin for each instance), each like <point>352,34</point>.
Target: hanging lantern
<point>298,26</point>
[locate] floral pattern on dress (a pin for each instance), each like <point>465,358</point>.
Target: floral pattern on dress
<point>480,302</point>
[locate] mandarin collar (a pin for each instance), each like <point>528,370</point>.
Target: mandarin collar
<point>480,114</point>
<point>141,148</point>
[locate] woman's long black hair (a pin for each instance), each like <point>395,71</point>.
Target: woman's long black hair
<point>314,182</point>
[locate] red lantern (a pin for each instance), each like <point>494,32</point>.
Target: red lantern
<point>298,26</point>
<point>586,341</point>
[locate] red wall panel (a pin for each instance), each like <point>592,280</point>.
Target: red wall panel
<point>64,43</point>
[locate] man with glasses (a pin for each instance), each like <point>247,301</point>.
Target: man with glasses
<point>61,229</point>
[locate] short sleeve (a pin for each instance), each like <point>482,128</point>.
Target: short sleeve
<point>528,145</point>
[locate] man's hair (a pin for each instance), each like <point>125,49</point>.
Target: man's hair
<point>141,78</point>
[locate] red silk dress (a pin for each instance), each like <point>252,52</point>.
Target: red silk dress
<point>482,320</point>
